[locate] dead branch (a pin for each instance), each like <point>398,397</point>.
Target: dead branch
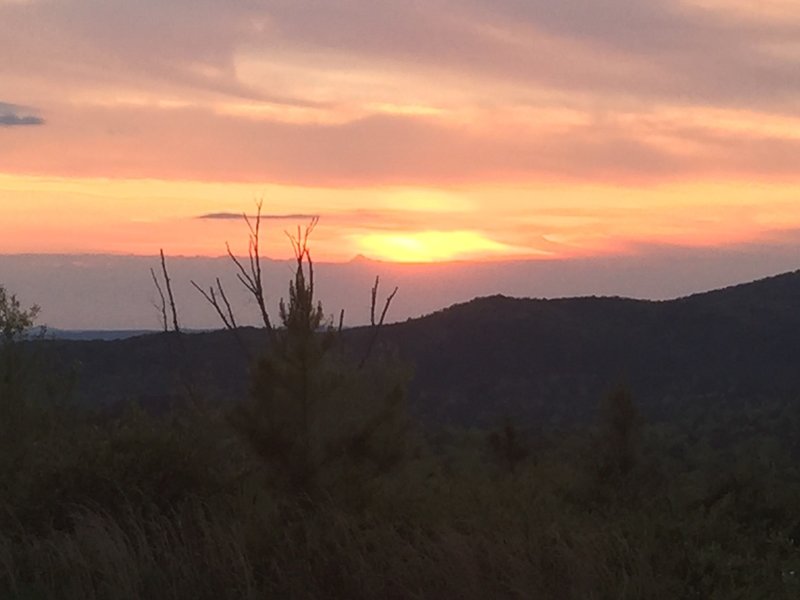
<point>163,306</point>
<point>386,306</point>
<point>251,276</point>
<point>300,241</point>
<point>302,253</point>
<point>224,297</point>
<point>211,298</point>
<point>176,343</point>
<point>168,283</point>
<point>227,315</point>
<point>376,326</point>
<point>374,301</point>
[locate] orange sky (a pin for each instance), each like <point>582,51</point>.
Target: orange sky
<point>430,131</point>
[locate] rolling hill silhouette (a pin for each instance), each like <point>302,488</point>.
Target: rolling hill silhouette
<point>497,357</point>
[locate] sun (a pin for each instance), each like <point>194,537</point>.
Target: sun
<point>430,246</point>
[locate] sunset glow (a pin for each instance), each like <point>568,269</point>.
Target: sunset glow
<point>431,246</point>
<point>427,132</point>
<point>480,222</point>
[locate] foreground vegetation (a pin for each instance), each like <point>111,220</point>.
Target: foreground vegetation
<point>318,485</point>
<point>176,506</point>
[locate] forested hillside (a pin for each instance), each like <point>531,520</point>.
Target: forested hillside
<point>495,358</point>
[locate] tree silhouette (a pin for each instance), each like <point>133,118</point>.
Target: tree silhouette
<point>315,417</point>
<point>15,408</point>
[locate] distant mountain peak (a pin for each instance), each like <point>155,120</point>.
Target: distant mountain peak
<point>361,259</point>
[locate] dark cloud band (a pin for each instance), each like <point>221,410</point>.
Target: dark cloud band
<point>227,216</point>
<point>19,121</point>
<point>14,116</point>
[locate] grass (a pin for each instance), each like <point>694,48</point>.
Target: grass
<point>441,527</point>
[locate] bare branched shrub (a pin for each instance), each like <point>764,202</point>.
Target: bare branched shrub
<point>163,298</point>
<point>375,325</point>
<point>251,276</point>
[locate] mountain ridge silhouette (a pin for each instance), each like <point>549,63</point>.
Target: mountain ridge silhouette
<point>497,357</point>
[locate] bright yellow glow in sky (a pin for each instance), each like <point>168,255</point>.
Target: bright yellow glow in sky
<point>485,222</point>
<point>431,246</point>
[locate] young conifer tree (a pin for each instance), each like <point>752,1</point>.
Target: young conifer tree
<point>316,417</point>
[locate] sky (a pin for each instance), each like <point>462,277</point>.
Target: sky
<point>419,131</point>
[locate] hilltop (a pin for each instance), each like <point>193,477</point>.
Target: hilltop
<point>498,357</point>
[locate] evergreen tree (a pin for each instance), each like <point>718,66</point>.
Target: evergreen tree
<point>314,417</point>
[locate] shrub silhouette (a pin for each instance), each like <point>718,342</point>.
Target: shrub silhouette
<point>16,410</point>
<point>15,321</point>
<point>315,418</point>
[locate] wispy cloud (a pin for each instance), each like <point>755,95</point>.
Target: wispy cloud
<point>665,50</point>
<point>639,147</point>
<point>228,216</point>
<point>443,92</point>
